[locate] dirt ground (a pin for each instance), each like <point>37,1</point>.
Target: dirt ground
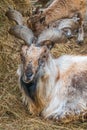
<point>13,114</point>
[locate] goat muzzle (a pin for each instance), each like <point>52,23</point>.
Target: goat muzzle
<point>28,77</point>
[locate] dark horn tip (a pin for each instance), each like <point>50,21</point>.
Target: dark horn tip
<point>11,30</point>
<point>7,13</point>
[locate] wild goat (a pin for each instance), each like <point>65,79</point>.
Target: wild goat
<point>53,88</point>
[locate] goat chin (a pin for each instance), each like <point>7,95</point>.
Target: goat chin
<point>62,90</point>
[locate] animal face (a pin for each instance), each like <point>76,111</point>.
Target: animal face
<point>33,59</point>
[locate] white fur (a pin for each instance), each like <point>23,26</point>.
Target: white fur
<point>57,105</point>
<point>58,102</point>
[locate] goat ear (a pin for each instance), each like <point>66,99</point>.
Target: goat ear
<point>49,44</point>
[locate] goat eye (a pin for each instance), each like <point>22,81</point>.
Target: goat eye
<point>44,56</point>
<point>22,58</point>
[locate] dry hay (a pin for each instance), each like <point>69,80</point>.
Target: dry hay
<point>13,114</point>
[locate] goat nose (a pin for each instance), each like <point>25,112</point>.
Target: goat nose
<point>29,74</point>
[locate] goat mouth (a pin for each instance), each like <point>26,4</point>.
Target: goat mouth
<point>34,77</point>
<point>26,80</point>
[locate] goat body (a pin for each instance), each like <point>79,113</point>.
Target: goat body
<point>61,85</point>
<point>64,8</point>
<point>57,10</point>
<point>71,25</point>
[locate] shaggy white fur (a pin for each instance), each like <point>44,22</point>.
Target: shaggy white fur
<point>62,90</point>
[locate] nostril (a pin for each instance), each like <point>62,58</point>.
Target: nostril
<point>29,75</point>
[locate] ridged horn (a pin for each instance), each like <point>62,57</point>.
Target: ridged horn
<point>15,16</point>
<point>23,32</point>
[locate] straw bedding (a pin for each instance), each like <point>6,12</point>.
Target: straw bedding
<point>13,114</point>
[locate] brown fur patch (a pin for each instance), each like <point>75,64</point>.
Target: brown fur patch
<point>57,10</point>
<point>64,8</point>
<point>57,77</point>
<point>79,80</point>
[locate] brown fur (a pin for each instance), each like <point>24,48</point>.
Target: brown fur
<point>15,16</point>
<point>59,9</point>
<point>64,8</point>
